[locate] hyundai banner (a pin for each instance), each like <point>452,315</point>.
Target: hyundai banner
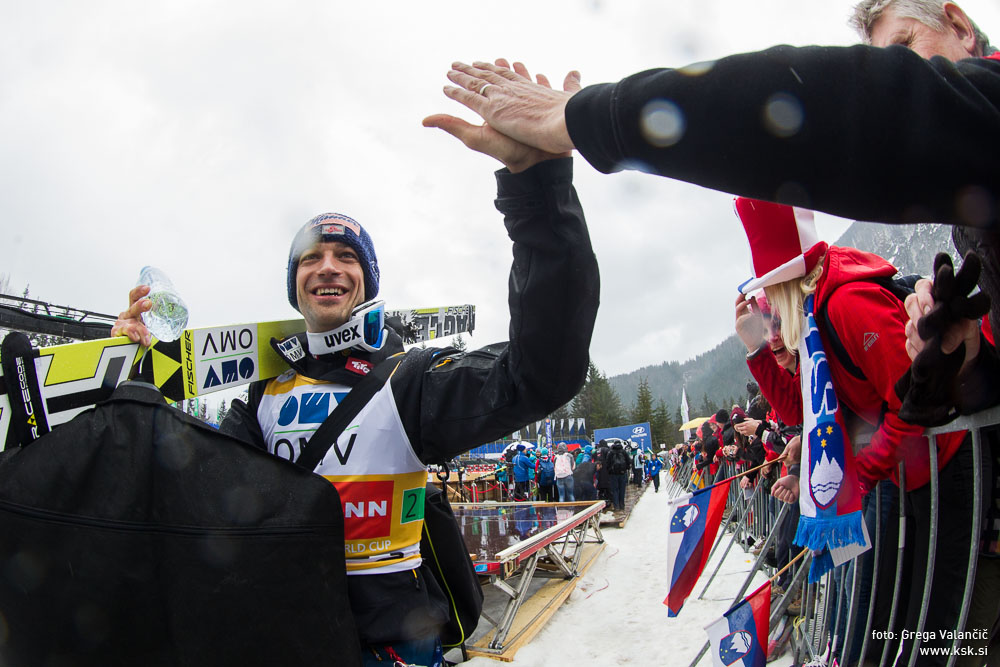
<point>637,433</point>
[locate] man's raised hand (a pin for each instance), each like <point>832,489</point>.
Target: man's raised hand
<point>508,100</point>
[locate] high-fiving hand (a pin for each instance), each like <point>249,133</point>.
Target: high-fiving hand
<point>529,112</point>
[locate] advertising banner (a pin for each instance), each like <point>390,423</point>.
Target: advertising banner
<point>637,433</point>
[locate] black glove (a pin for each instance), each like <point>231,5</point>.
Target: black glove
<point>930,390</point>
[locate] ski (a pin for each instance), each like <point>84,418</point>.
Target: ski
<point>48,386</point>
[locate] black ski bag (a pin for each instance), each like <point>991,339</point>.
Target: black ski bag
<point>137,535</point>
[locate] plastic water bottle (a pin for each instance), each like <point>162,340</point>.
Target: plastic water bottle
<point>169,315</point>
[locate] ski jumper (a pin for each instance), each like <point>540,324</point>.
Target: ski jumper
<point>439,402</point>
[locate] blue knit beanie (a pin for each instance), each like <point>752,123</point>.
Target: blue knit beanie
<point>334,227</point>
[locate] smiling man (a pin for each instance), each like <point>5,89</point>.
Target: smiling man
<point>439,402</point>
<point>330,278</point>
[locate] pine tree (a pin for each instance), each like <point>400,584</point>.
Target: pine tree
<point>663,427</point>
<point>562,412</point>
<point>642,409</point>
<point>706,409</point>
<point>459,343</point>
<point>598,403</point>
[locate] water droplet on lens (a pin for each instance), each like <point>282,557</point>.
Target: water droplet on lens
<point>697,69</point>
<point>783,115</point>
<point>662,123</point>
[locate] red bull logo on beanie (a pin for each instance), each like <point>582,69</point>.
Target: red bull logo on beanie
<point>337,228</point>
<point>335,224</point>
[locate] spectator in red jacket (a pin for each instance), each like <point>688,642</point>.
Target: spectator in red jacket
<point>868,320</point>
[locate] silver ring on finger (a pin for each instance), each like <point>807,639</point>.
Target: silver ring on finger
<point>482,91</point>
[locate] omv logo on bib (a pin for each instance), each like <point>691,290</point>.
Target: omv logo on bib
<point>308,408</point>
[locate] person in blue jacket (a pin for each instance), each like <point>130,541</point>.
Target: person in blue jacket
<point>500,472</point>
<point>523,469</point>
<point>653,467</point>
<point>546,476</point>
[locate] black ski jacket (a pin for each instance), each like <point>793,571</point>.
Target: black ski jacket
<point>860,132</point>
<point>450,401</point>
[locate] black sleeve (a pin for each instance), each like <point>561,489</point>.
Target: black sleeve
<point>241,419</point>
<point>755,453</point>
<point>777,443</point>
<point>457,402</point>
<point>861,132</point>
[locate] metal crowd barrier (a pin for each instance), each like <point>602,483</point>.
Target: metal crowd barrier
<point>833,622</point>
<point>833,619</point>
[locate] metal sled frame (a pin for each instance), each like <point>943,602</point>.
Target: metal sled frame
<point>559,548</point>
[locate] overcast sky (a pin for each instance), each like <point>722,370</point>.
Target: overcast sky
<point>198,136</point>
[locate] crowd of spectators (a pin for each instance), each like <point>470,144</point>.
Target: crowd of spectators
<point>861,321</point>
<point>593,472</point>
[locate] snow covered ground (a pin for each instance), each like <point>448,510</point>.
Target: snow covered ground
<point>616,615</point>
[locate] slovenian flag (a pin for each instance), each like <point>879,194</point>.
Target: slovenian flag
<point>739,638</point>
<point>829,497</point>
<point>694,520</point>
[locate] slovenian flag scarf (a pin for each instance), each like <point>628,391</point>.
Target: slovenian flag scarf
<point>829,496</point>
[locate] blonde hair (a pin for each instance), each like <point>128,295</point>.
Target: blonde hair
<point>787,299</point>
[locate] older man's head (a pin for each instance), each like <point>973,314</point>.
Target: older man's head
<point>927,27</point>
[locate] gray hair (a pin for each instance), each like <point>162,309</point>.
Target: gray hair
<point>929,12</point>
